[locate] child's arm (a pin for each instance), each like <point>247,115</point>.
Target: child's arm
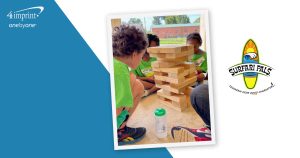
<point>200,75</point>
<point>119,110</point>
<point>142,78</point>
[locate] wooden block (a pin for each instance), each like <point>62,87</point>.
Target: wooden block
<point>188,48</point>
<point>180,75</point>
<point>186,83</point>
<point>170,49</point>
<point>191,74</point>
<point>169,104</point>
<point>166,92</point>
<point>182,105</point>
<point>176,55</point>
<point>172,104</point>
<point>178,59</point>
<point>169,79</point>
<point>175,73</point>
<point>160,82</point>
<point>192,69</point>
<point>169,88</point>
<point>187,65</point>
<point>160,64</point>
<point>176,69</point>
<point>158,55</point>
<point>179,98</point>
<point>176,88</point>
<point>188,91</point>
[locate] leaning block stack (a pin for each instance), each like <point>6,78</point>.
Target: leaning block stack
<point>173,74</point>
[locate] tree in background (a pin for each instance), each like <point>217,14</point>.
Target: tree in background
<point>156,20</point>
<point>170,20</point>
<point>136,21</point>
<point>183,19</point>
<point>179,19</point>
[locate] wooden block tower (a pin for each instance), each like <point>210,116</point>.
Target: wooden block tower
<point>173,74</point>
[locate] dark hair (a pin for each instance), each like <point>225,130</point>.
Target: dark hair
<point>195,36</point>
<point>153,38</point>
<point>128,39</point>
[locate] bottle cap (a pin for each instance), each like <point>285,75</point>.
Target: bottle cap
<point>160,112</point>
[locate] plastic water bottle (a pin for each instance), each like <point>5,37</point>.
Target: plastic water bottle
<point>160,122</point>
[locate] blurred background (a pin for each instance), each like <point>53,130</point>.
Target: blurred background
<point>171,29</point>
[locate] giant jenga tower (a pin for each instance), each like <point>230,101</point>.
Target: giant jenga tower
<point>173,74</point>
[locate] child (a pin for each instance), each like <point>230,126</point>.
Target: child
<point>199,57</point>
<point>129,46</point>
<point>144,71</point>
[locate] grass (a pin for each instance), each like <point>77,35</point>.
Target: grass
<point>172,41</point>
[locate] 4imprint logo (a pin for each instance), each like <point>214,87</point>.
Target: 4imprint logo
<point>25,18</point>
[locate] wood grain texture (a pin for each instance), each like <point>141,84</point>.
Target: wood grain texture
<point>170,49</point>
<point>172,55</point>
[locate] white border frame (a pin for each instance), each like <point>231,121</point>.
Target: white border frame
<point>202,12</point>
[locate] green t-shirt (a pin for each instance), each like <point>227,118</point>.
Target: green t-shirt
<point>123,92</point>
<point>145,69</point>
<point>200,61</point>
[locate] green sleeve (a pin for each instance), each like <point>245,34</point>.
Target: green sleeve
<point>135,71</point>
<point>204,64</point>
<point>195,57</point>
<point>138,71</point>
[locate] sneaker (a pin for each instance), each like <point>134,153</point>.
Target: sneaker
<point>128,135</point>
<point>146,93</point>
<point>184,134</point>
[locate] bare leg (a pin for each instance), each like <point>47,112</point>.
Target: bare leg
<point>153,89</point>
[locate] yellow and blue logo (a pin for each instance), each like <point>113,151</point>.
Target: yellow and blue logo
<point>250,67</point>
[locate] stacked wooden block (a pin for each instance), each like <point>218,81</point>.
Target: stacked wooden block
<point>173,74</point>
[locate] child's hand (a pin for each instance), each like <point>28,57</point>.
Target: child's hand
<point>199,71</point>
<point>118,111</point>
<point>200,77</point>
<point>200,61</point>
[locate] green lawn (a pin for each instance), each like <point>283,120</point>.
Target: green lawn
<point>172,41</point>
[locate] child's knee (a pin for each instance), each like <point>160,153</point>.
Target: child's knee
<point>136,86</point>
<point>139,87</point>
